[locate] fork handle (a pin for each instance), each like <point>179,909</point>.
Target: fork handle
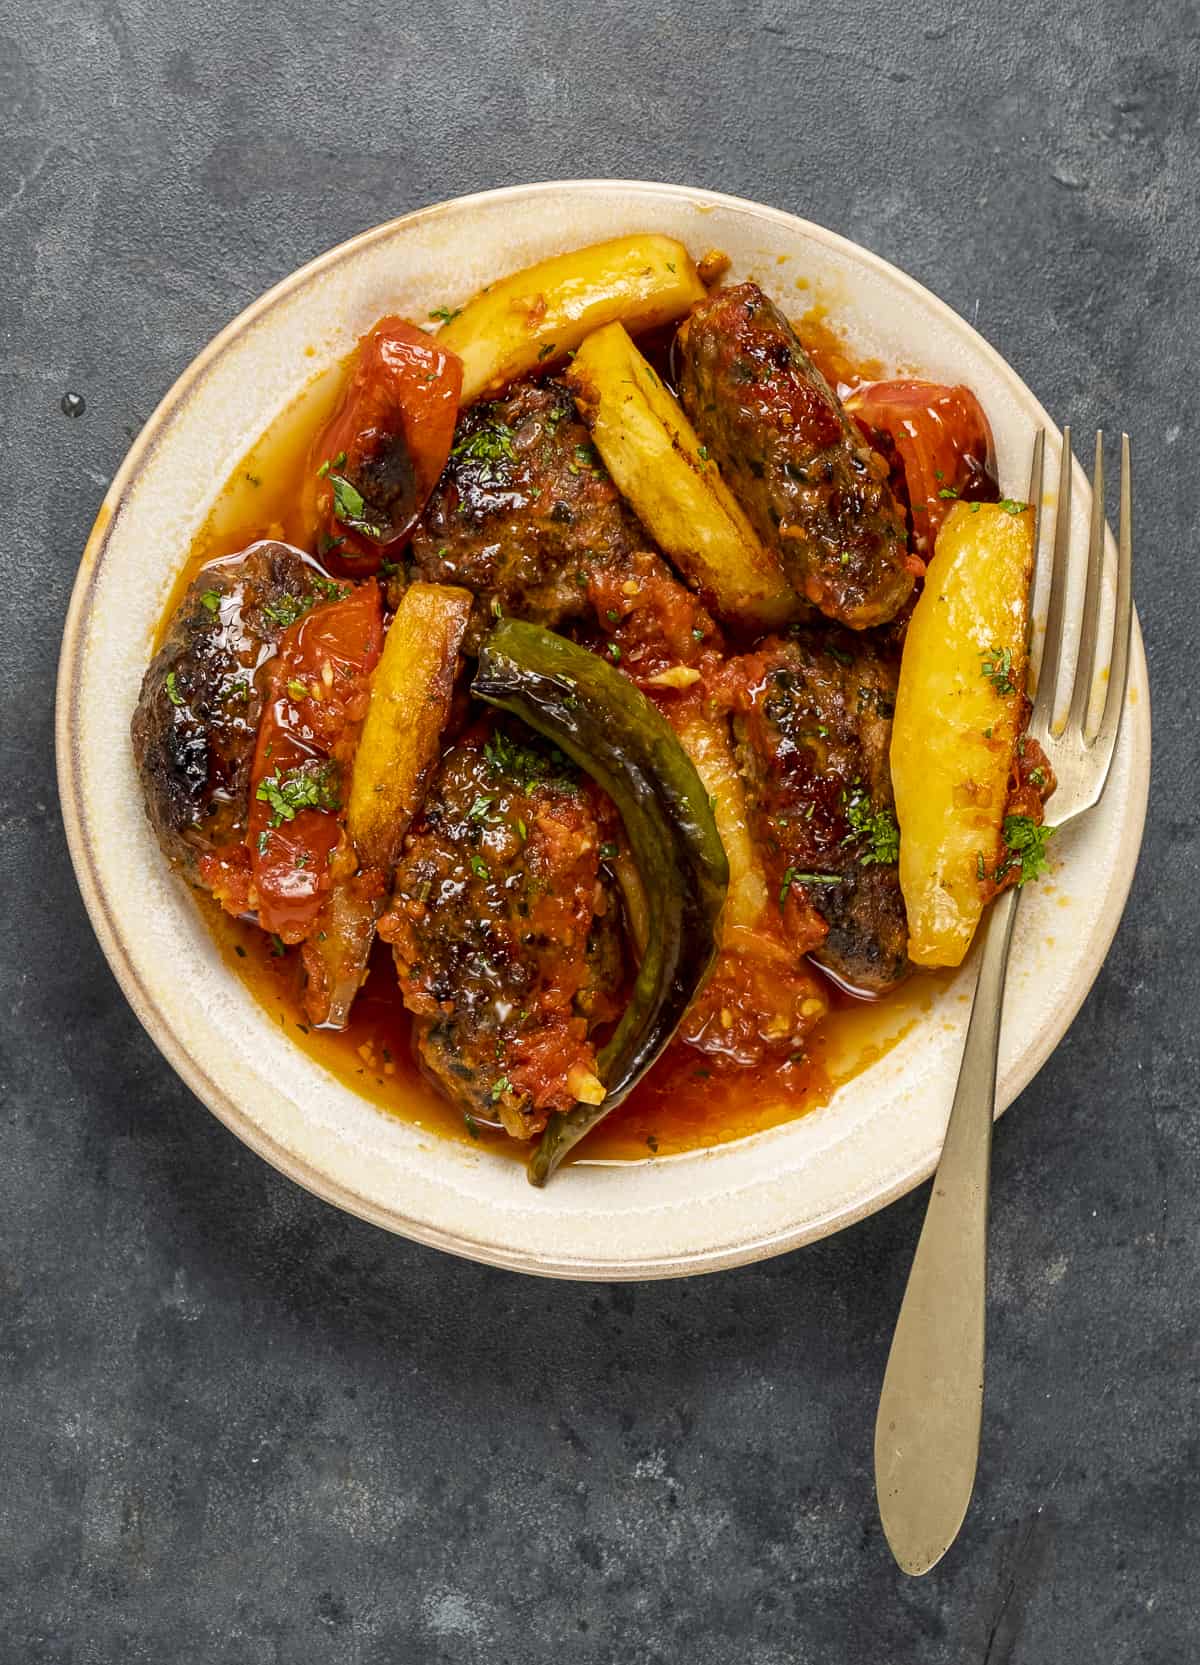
<point>931,1408</point>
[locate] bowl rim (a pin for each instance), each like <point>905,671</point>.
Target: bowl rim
<point>190,1069</point>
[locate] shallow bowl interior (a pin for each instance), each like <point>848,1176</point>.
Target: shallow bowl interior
<point>880,1133</point>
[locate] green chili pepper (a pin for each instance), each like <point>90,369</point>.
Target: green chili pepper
<point>611,730</point>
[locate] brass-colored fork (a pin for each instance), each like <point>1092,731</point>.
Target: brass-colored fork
<point>931,1408</point>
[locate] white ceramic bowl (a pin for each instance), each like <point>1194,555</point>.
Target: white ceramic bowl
<point>881,1133</point>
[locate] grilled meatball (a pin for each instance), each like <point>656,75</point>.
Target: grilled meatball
<point>504,930</point>
<point>813,722</point>
<point>524,512</point>
<point>198,712</point>
<point>815,492</point>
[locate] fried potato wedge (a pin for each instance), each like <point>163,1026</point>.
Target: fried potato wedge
<point>402,736</point>
<point>707,743</point>
<point>400,743</point>
<point>537,316</point>
<point>658,463</point>
<point>959,712</point>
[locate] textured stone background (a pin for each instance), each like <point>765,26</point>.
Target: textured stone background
<point>240,1428</point>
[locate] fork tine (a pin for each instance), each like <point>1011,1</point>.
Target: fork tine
<point>1036,475</point>
<point>1036,472</point>
<point>1056,608</point>
<point>1089,634</point>
<point>1118,667</point>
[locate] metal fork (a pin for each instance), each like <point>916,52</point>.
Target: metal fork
<point>931,1408</point>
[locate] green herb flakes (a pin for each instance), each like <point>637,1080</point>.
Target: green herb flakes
<point>794,876</point>
<point>874,831</point>
<point>1027,844</point>
<point>490,449</point>
<point>997,667</point>
<point>309,786</point>
<point>351,509</point>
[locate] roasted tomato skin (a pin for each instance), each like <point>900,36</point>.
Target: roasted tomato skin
<point>374,464</point>
<point>317,699</point>
<point>938,443</point>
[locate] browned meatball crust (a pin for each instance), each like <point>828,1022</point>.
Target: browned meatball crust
<point>813,722</point>
<point>814,490</point>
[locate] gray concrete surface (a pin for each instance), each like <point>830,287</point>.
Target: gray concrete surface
<point>240,1428</point>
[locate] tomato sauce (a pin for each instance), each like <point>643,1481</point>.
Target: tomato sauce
<point>688,1101</point>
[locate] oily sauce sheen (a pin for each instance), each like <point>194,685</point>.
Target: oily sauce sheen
<point>688,1101</point>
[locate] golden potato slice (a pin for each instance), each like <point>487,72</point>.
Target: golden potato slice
<point>958,715</point>
<point>537,316</point>
<point>708,745</point>
<point>400,743</point>
<point>402,736</point>
<point>658,463</point>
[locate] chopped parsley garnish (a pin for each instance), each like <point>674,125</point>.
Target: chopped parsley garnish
<point>527,767</point>
<point>480,868</point>
<point>1027,844</point>
<point>351,509</point>
<point>1037,777</point>
<point>544,352</point>
<point>331,462</point>
<point>489,448</point>
<point>287,608</point>
<point>173,694</point>
<point>499,1087</point>
<point>608,852</point>
<point>308,786</point>
<point>479,809</point>
<point>947,491</point>
<point>444,314</point>
<point>1011,506</point>
<point>794,876</point>
<point>874,830</point>
<point>212,600</point>
<point>614,653</point>
<point>997,667</point>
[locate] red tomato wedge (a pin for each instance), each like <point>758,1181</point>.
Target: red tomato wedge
<point>381,453</point>
<point>942,442</point>
<point>317,699</point>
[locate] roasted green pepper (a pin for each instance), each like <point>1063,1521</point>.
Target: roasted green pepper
<point>611,730</point>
